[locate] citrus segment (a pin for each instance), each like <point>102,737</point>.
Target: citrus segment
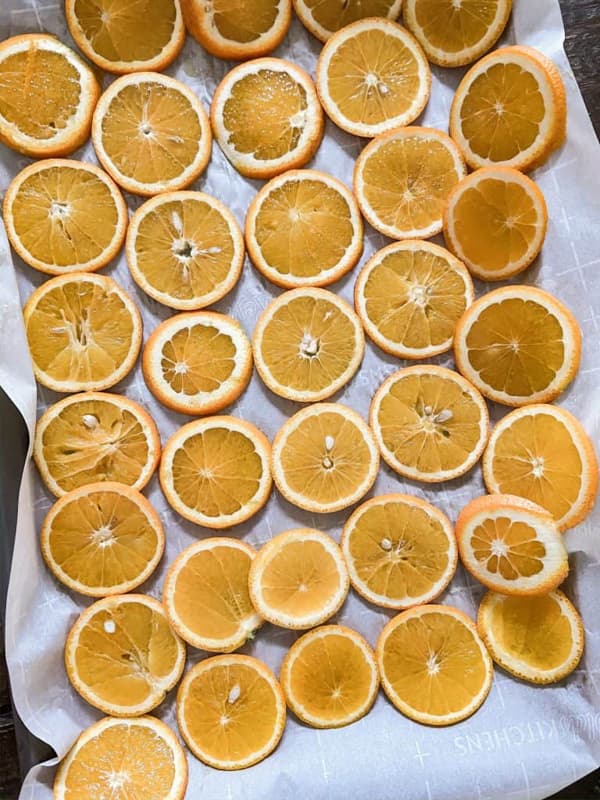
<point>324,17</point>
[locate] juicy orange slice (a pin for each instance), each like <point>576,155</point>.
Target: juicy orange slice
<point>324,17</point>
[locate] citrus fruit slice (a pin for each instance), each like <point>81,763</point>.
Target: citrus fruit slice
<point>542,453</point>
<point>124,758</point>
<point>400,551</point>
<point>409,297</point>
<point>509,110</point>
<point>47,96</point>
<point>307,344</point>
<point>518,345</point>
<point>266,117</point>
<point>429,422</point>
<point>215,471</point>
<point>304,228</point>
<point>197,363</point>
<point>231,711</point>
<point>298,579</point>
<point>511,545</point>
<point>372,76</point>
<point>63,215</point>
<point>496,221</point>
<point>206,597</point>
<point>325,458</point>
<point>84,332</point>
<point>434,667</point>
<point>236,31</point>
<point>103,538</point>
<point>402,180</point>
<point>122,37</point>
<point>324,17</point>
<point>329,677</point>
<point>538,639</point>
<point>456,33</point>
<point>184,249</point>
<point>122,656</point>
<point>151,133</point>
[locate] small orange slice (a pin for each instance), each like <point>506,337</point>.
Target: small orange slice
<point>324,17</point>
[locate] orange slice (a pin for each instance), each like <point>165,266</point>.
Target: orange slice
<point>400,551</point>
<point>122,656</point>
<point>329,677</point>
<point>410,296</point>
<point>324,17</point>
<point>518,345</point>
<point>231,711</point>
<point>434,667</point>
<point>298,579</point>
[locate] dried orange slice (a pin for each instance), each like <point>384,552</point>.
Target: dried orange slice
<point>402,180</point>
<point>197,363</point>
<point>47,96</point>
<point>298,579</point>
<point>307,344</point>
<point>518,345</point>
<point>430,423</point>
<point>304,228</point>
<point>215,471</point>
<point>410,296</point>
<point>400,551</point>
<point>538,639</point>
<point>324,17</point>
<point>122,656</point>
<point>231,711</point>
<point>206,597</point>
<point>266,117</point>
<point>84,332</point>
<point>542,453</point>
<point>123,758</point>
<point>496,221</point>
<point>329,677</point>
<point>151,133</point>
<point>325,458</point>
<point>434,667</point>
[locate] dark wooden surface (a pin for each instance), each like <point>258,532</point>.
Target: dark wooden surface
<point>582,23</point>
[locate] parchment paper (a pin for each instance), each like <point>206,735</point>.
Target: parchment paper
<point>525,742</point>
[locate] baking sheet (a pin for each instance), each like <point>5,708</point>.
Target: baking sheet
<point>525,742</point>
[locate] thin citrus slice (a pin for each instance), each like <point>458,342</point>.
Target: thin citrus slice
<point>329,677</point>
<point>372,76</point>
<point>124,758</point>
<point>542,453</point>
<point>400,551</point>
<point>266,117</point>
<point>206,597</point>
<point>324,17</point>
<point>304,228</point>
<point>402,180</point>
<point>496,221</point>
<point>298,579</point>
<point>151,133</point>
<point>429,422</point>
<point>325,458</point>
<point>538,639</point>
<point>307,344</point>
<point>122,656</point>
<point>511,545</point>
<point>518,345</point>
<point>197,363</point>
<point>231,711</point>
<point>456,33</point>
<point>215,471</point>
<point>122,37</point>
<point>103,538</point>
<point>184,249</point>
<point>84,332</point>
<point>409,297</point>
<point>434,667</point>
<point>63,215</point>
<point>236,31</point>
<point>47,96</point>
